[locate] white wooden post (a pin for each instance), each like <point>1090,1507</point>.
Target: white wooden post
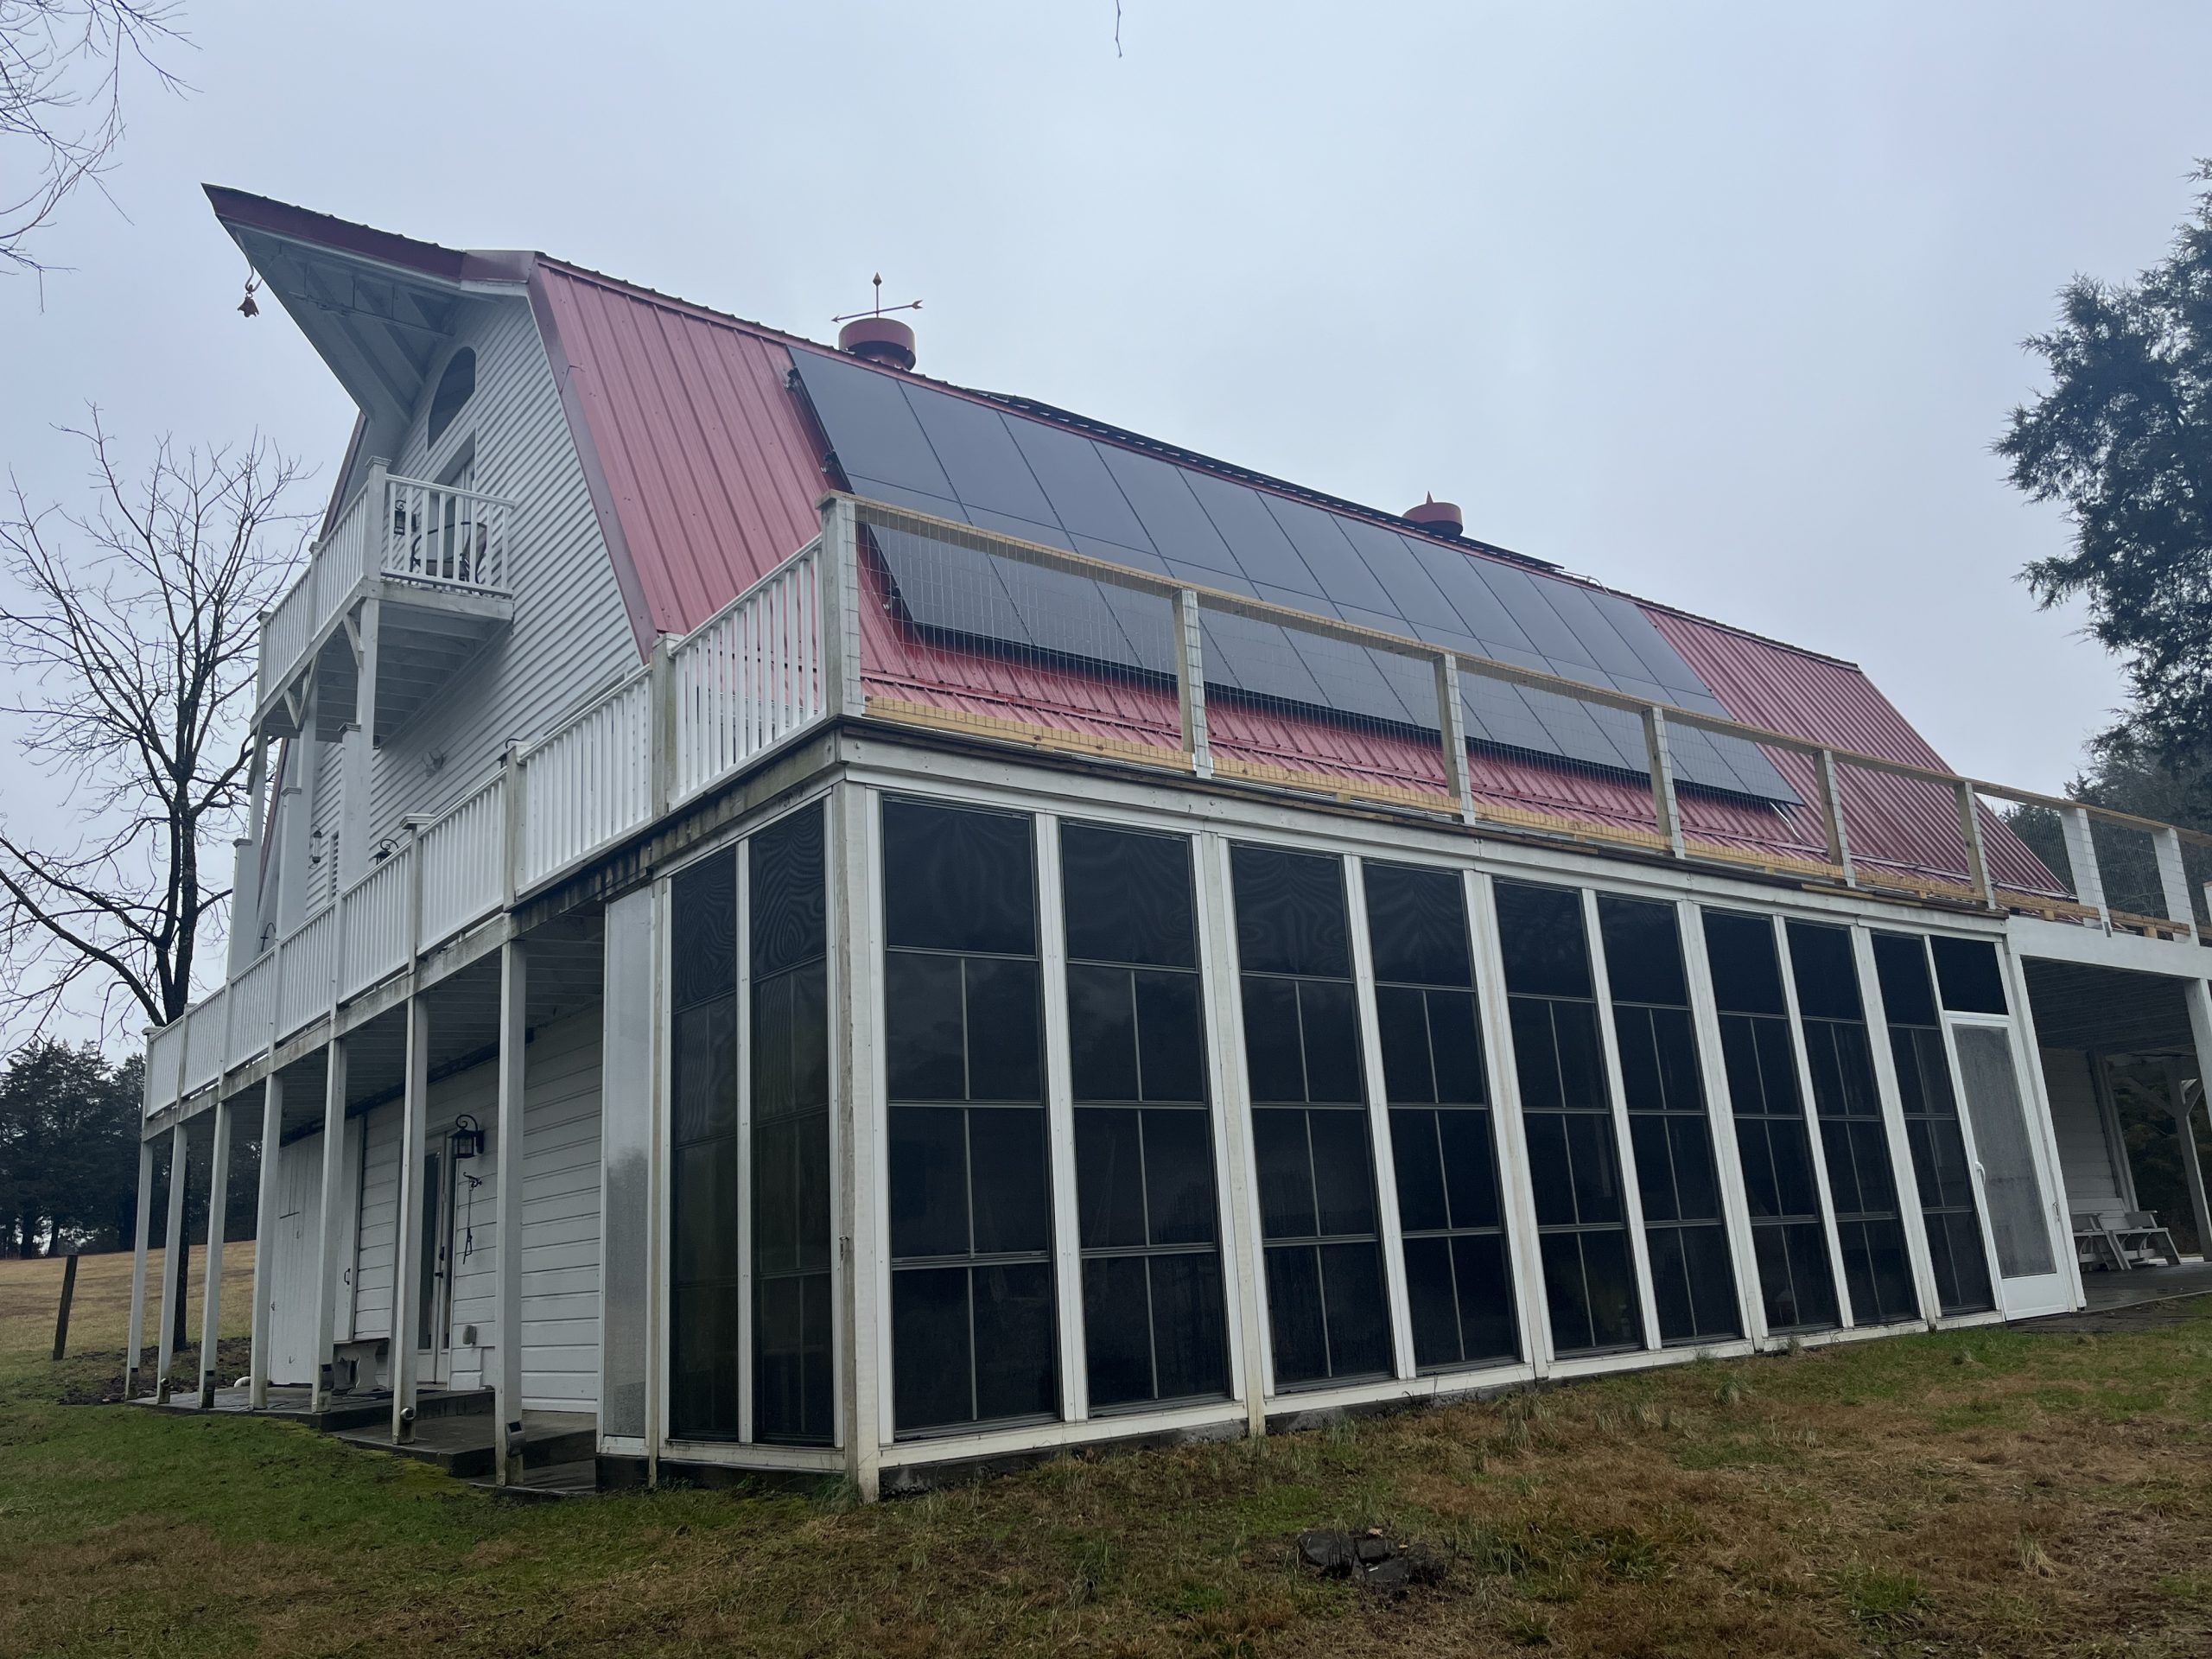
<point>407,1243</point>
<point>327,1248</point>
<point>861,1264</point>
<point>514,986</point>
<point>1970,832</point>
<point>1721,1114</point>
<point>1242,1249</point>
<point>293,810</point>
<point>1060,1113</point>
<point>1839,833</point>
<point>2081,854</point>
<point>173,1250</point>
<point>1639,1243</point>
<point>1190,680</point>
<point>264,1236</point>
<point>2173,879</point>
<point>211,1301</point>
<point>514,827</point>
<point>355,782</point>
<point>1815,1142</point>
<point>843,695</point>
<point>1451,718</point>
<point>1665,807</point>
<point>137,1337</point>
<point>1904,1176</point>
<point>660,714</point>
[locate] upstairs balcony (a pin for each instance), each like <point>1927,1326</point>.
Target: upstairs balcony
<point>436,559</point>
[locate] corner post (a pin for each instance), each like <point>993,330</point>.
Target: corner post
<point>1451,718</point>
<point>1191,680</point>
<point>507,1408</point>
<point>211,1300</point>
<point>407,1244</point>
<point>2173,881</point>
<point>842,692</point>
<point>137,1337</point>
<point>2081,854</point>
<point>172,1260</point>
<point>264,1236</point>
<point>660,699</point>
<point>514,805</point>
<point>859,1268</point>
<point>1837,832</point>
<point>1970,832</point>
<point>1665,808</point>
<point>327,1247</point>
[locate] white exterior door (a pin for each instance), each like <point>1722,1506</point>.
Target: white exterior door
<point>2020,1193</point>
<point>434,1263</point>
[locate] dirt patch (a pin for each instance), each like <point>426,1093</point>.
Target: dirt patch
<point>106,1385</point>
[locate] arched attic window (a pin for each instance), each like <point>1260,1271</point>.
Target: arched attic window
<point>455,386</point>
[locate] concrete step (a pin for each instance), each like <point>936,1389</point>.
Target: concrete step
<point>463,1444</point>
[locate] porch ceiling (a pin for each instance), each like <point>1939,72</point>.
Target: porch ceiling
<point>2111,1009</point>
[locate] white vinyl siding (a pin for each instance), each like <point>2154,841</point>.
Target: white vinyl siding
<point>572,637</point>
<point>560,1217</point>
<point>372,1297</point>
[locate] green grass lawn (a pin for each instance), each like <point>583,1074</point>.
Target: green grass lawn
<point>1996,1491</point>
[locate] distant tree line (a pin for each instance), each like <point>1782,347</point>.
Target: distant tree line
<point>69,1157</point>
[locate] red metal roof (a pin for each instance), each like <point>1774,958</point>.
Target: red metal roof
<point>705,472</point>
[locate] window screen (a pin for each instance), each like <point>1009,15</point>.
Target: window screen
<point>1443,1146</point>
<point>1149,1229</point>
<point>1968,971</point>
<point>972,1326</point>
<point>1328,1312</point>
<point>1692,1281</point>
<point>1796,1281</point>
<point>1869,1224</point>
<point>1939,1165</point>
<point>705,1301</point>
<point>1566,1113</point>
<point>792,1350</point>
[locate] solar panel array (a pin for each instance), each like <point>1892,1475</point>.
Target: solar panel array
<point>913,446</point>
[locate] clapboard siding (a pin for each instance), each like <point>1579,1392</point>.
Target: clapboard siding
<point>560,1217</point>
<point>572,637</point>
<point>291,1291</point>
<point>373,1252</point>
<point>2077,1120</point>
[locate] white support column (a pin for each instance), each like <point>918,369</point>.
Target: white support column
<point>138,1336</point>
<point>748,1221</point>
<point>1720,1112</point>
<point>1970,832</point>
<point>407,1231</point>
<point>245,865</point>
<point>264,1240</point>
<point>1059,1118</point>
<point>2081,854</point>
<point>334,1208</point>
<point>1639,1245</point>
<point>354,781</point>
<point>1904,1177</point>
<point>506,1389</point>
<point>1837,832</point>
<point>1661,757</point>
<point>841,608</point>
<point>2173,879</point>
<point>861,1263</point>
<point>1511,1133</point>
<point>1389,1228</point>
<point>660,715</point>
<point>1190,680</point>
<point>1451,718</point>
<point>1244,1259</point>
<point>172,1263</point>
<point>2192,1168</point>
<point>211,1300</point>
<point>1815,1143</point>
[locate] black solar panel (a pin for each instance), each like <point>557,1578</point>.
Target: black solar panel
<point>910,445</point>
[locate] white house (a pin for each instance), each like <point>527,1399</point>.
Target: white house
<point>837,923</point>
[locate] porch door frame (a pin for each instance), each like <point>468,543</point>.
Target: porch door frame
<point>434,1259</point>
<point>2058,1291</point>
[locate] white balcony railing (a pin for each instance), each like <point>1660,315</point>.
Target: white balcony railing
<point>748,678</point>
<point>428,534</point>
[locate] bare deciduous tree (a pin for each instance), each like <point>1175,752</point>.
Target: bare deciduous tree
<point>133,647</point>
<point>61,69</point>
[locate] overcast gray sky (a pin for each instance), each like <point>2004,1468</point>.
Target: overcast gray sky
<point>1718,304</point>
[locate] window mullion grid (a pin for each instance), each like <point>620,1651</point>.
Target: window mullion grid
<point>1721,1120</point>
<point>1631,1189</point>
<point>1060,1122</point>
<point>1517,1206</point>
<point>1380,1158</point>
<point>1919,1248</point>
<point>1818,1145</point>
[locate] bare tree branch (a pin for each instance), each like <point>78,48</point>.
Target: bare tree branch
<point>61,68</point>
<point>133,649</point>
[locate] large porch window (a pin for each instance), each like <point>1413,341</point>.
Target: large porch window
<point>972,1316</point>
<point>1328,1312</point>
<point>706,1301</point>
<point>1566,1112</point>
<point>1692,1281</point>
<point>1796,1283</point>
